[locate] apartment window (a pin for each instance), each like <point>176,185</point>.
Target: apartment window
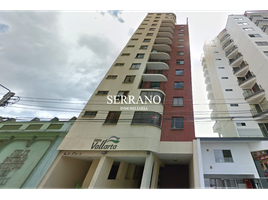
<point>180,39</point>
<point>155,85</point>
<point>262,43</point>
<point>102,92</point>
<point>114,171</point>
<point>181,26</point>
<point>119,64</point>
<point>156,20</point>
<point>179,62</point>
<point>112,117</point>
<point>238,19</point>
<point>242,23</point>
<point>146,40</point>
<point>152,29</point>
<point>111,76</point>
<point>218,59</point>
<point>125,54</point>
<point>90,113</point>
<point>180,46</point>
<point>149,34</point>
<point>181,29</point>
<point>234,105</point>
<point>149,118</point>
<point>179,72</point>
<point>152,94</point>
<point>143,24</point>
<point>215,52</point>
<point>141,28</point>
<point>134,39</point>
<point>180,53</point>
<point>178,85</point>
<point>154,24</point>
<point>266,53</point>
<point>223,156</point>
<point>224,77</point>
<point>140,55</point>
<point>221,68</point>
<point>130,46</point>
<point>248,29</point>
<point>181,34</point>
<point>143,47</point>
<point>228,90</point>
<point>177,123</point>
<point>137,33</point>
<point>135,66</point>
<point>120,94</point>
<point>254,35</point>
<point>177,101</point>
<point>129,79</point>
<point>240,124</point>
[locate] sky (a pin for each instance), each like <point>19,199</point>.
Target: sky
<point>54,60</point>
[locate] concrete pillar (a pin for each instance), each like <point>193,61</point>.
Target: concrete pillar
<point>122,170</point>
<point>90,173</point>
<point>130,172</point>
<point>102,172</point>
<point>147,172</point>
<point>155,175</point>
<point>197,165</point>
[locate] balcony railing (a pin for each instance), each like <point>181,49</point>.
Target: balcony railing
<point>248,76</point>
<point>226,36</point>
<point>242,66</point>
<point>224,46</point>
<point>231,61</point>
<point>157,72</point>
<point>257,113</point>
<point>222,33</point>
<point>255,90</point>
<point>147,86</point>
<point>230,51</point>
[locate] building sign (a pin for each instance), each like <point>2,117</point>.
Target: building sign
<point>12,162</point>
<point>105,144</point>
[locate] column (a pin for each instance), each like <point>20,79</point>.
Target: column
<point>155,175</point>
<point>90,173</point>
<point>147,172</point>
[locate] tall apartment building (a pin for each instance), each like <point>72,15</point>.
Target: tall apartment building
<point>235,66</point>
<point>119,141</point>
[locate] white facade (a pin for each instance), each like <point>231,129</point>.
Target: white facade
<point>235,70</point>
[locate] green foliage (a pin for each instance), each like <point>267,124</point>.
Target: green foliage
<point>77,186</point>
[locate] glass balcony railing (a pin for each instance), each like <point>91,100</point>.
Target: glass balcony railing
<point>230,51</point>
<point>231,61</point>
<point>256,89</point>
<point>246,78</point>
<point>242,66</point>
<point>224,46</point>
<point>226,36</point>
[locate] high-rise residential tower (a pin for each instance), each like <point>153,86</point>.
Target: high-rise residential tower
<point>235,67</point>
<point>137,129</point>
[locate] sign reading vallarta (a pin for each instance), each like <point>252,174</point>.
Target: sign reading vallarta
<point>104,144</point>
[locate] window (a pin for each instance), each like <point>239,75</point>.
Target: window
<point>181,29</point>
<point>178,85</point>
<point>90,113</point>
<point>119,64</point>
<point>180,46</point>
<point>114,170</point>
<point>220,67</point>
<point>140,55</point>
<point>135,66</point>
<point>143,47</point>
<point>242,23</point>
<point>141,28</point>
<point>234,105</point>
<point>218,59</point>
<point>248,29</point>
<point>228,90</point>
<point>180,53</point>
<point>102,92</point>
<point>215,52</point>
<point>149,34</point>
<point>143,24</point>
<point>111,76</point>
<point>266,53</point>
<point>120,94</point>
<point>177,123</point>
<point>223,156</point>
<point>134,39</point>
<point>179,72</point>
<point>112,117</point>
<point>254,35</point>
<point>224,77</point>
<point>146,40</point>
<point>238,19</point>
<point>130,46</point>
<point>179,62</point>
<point>155,85</point>
<point>180,39</point>
<point>156,20</point>
<point>55,126</point>
<point>177,101</point>
<point>154,24</point>
<point>181,34</point>
<point>34,127</point>
<point>149,118</point>
<point>262,43</point>
<point>125,54</point>
<point>240,124</point>
<point>137,33</point>
<point>152,29</point>
<point>129,79</point>
<point>152,93</point>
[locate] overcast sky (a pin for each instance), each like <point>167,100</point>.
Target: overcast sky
<point>54,60</point>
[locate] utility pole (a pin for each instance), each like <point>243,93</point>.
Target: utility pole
<point>8,98</point>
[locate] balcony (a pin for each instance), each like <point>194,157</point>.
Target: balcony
<point>155,76</point>
<point>248,81</point>
<point>163,40</point>
<point>232,52</point>
<point>236,61</point>
<point>159,55</point>
<point>166,29</point>
<point>255,95</point>
<point>254,18</point>
<point>165,34</point>
<point>203,61</point>
<point>264,28</point>
<point>208,87</point>
<point>210,94</point>
<point>222,34</point>
<point>168,20</point>
<point>260,112</point>
<point>207,80</point>
<point>162,47</point>
<point>225,39</point>
<point>157,65</point>
<point>168,24</point>
<point>216,127</point>
<point>242,70</point>
<point>156,87</point>
<point>228,45</point>
<point>171,15</point>
<point>214,115</point>
<point>261,23</point>
<point>212,104</point>
<point>235,183</point>
<point>205,72</point>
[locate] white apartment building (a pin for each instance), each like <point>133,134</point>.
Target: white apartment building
<point>235,66</point>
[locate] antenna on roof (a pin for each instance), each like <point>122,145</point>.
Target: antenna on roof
<point>8,98</point>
